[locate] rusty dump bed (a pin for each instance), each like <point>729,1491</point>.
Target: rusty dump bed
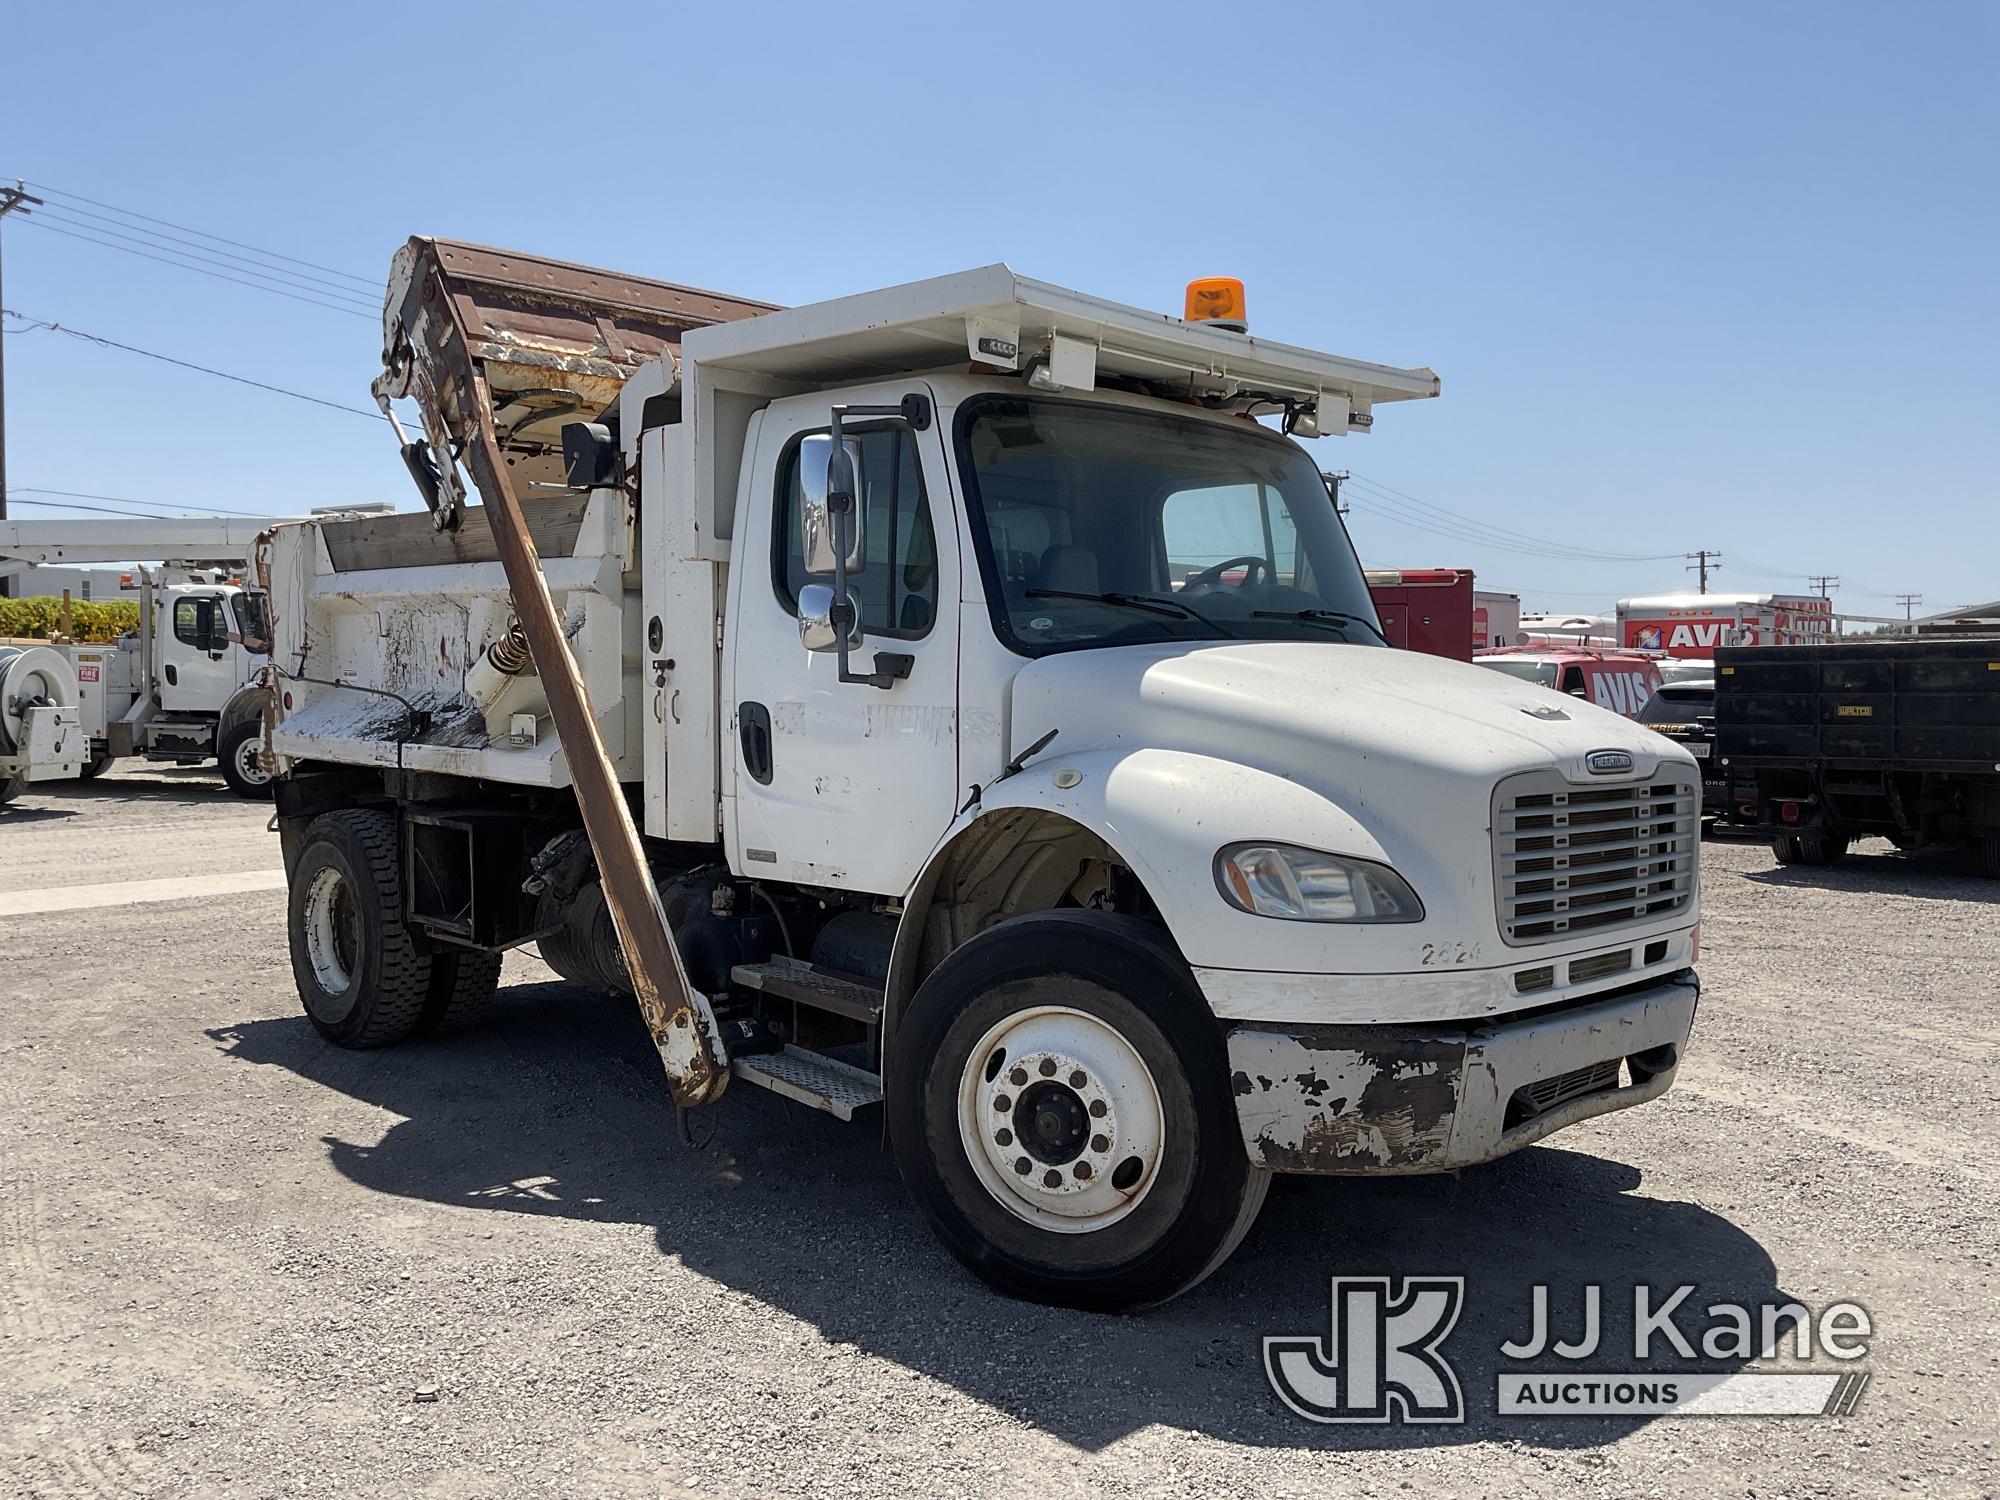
<point>551,342</point>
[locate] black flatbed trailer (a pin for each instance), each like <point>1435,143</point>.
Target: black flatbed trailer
<point>1897,738</point>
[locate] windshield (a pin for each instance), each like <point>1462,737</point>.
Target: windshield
<point>1098,526</point>
<point>1542,672</point>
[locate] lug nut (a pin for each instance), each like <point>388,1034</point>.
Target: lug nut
<point>1100,1144</point>
<point>1052,1179</point>
<point>1003,1137</point>
<point>1018,1077</point>
<point>1021,1165</point>
<point>1002,1103</point>
<point>1077,1079</point>
<point>1098,1109</point>
<point>1082,1170</point>
<point>1048,1067</point>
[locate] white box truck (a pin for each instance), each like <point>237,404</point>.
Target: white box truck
<point>995,717</point>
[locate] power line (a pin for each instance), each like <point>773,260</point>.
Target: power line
<point>35,489</point>
<point>371,282</point>
<point>77,333</point>
<point>1507,534</point>
<point>13,498</point>
<point>352,312</point>
<point>147,239</point>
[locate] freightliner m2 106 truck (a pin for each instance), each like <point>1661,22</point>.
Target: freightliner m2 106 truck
<point>952,698</point>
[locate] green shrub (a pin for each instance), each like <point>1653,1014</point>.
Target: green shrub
<point>36,619</point>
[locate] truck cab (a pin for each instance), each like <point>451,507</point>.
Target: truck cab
<point>1015,748</point>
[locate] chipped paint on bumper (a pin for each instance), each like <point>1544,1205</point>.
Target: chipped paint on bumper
<point>1351,1100</point>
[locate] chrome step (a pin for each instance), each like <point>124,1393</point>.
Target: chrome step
<point>822,989</point>
<point>812,1078</point>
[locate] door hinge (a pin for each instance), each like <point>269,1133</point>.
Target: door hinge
<point>718,632</point>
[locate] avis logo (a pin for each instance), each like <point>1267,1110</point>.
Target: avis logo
<point>1380,1363</point>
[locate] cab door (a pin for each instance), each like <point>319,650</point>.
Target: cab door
<point>839,783</point>
<point>197,674</point>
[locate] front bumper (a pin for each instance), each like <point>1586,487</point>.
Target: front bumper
<point>1371,1100</point>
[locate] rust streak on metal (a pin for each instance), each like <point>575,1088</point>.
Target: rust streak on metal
<point>659,980</point>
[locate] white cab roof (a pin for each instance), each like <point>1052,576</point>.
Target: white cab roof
<point>951,320</point>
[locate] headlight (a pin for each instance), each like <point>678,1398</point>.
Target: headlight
<point>1304,885</point>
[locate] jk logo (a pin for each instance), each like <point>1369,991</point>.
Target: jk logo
<point>1381,1361</point>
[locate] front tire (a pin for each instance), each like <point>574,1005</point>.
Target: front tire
<point>1078,1044</point>
<point>360,975</point>
<point>241,755</point>
<point>97,765</point>
<point>1810,848</point>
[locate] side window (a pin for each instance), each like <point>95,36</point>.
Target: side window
<point>1201,528</point>
<point>185,618</point>
<point>896,584</point>
<point>1572,679</point>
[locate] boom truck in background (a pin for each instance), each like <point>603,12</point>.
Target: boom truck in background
<point>181,688</point>
<point>951,698</point>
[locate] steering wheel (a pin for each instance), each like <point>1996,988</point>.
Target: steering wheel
<point>1255,571</point>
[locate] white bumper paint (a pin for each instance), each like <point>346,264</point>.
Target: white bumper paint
<point>1353,1100</point>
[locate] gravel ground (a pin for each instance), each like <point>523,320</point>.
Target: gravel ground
<point>238,1261</point>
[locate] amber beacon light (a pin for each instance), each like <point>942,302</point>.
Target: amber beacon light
<point>1217,300</point>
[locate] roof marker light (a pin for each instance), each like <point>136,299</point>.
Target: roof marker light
<point>1218,302</point>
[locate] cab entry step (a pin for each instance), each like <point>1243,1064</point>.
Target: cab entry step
<point>822,989</point>
<point>813,1079</point>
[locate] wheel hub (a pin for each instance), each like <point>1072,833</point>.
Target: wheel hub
<point>1061,1119</point>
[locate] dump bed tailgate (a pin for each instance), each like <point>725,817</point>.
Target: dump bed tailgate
<point>1927,705</point>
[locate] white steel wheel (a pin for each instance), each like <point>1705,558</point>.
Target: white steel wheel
<point>1061,1119</point>
<point>249,761</point>
<point>332,931</point>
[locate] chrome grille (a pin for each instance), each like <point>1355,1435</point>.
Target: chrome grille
<point>1571,859</point>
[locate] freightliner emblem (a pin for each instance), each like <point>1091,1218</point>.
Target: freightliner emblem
<point>1608,762</point>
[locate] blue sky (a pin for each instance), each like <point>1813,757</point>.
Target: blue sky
<point>1703,275</point>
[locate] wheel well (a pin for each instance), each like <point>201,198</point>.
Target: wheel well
<point>1004,864</point>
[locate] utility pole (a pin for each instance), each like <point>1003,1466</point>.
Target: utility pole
<point>1333,483</point>
<point>1824,584</point>
<point>1701,562</point>
<point>12,199</point>
<point>1908,601</point>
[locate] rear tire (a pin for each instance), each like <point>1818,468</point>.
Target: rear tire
<point>1087,1034</point>
<point>13,786</point>
<point>97,765</point>
<point>241,754</point>
<point>360,974</point>
<point>1810,848</point>
<point>463,982</point>
<point>1988,855</point>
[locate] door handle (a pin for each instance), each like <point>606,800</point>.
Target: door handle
<point>753,724</point>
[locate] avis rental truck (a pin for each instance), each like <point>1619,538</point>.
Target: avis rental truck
<point>953,699</point>
<point>1694,625</point>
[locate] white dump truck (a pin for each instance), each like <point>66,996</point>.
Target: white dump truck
<point>182,688</point>
<point>953,699</point>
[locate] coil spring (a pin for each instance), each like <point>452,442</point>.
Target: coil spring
<point>510,655</point>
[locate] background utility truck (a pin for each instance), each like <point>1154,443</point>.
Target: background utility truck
<point>993,718</point>
<point>180,688</point>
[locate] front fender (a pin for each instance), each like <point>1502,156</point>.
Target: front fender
<point>247,702</point>
<point>1166,813</point>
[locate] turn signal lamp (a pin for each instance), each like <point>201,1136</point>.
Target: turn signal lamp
<point>1218,301</point>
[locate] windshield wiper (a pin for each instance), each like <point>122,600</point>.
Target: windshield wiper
<point>1165,607</point>
<point>1149,602</point>
<point>1329,617</point>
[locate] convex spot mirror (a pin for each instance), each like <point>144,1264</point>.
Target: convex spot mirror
<point>817,631</point>
<point>821,475</point>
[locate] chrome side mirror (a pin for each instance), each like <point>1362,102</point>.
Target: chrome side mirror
<point>818,480</point>
<point>817,631</point>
